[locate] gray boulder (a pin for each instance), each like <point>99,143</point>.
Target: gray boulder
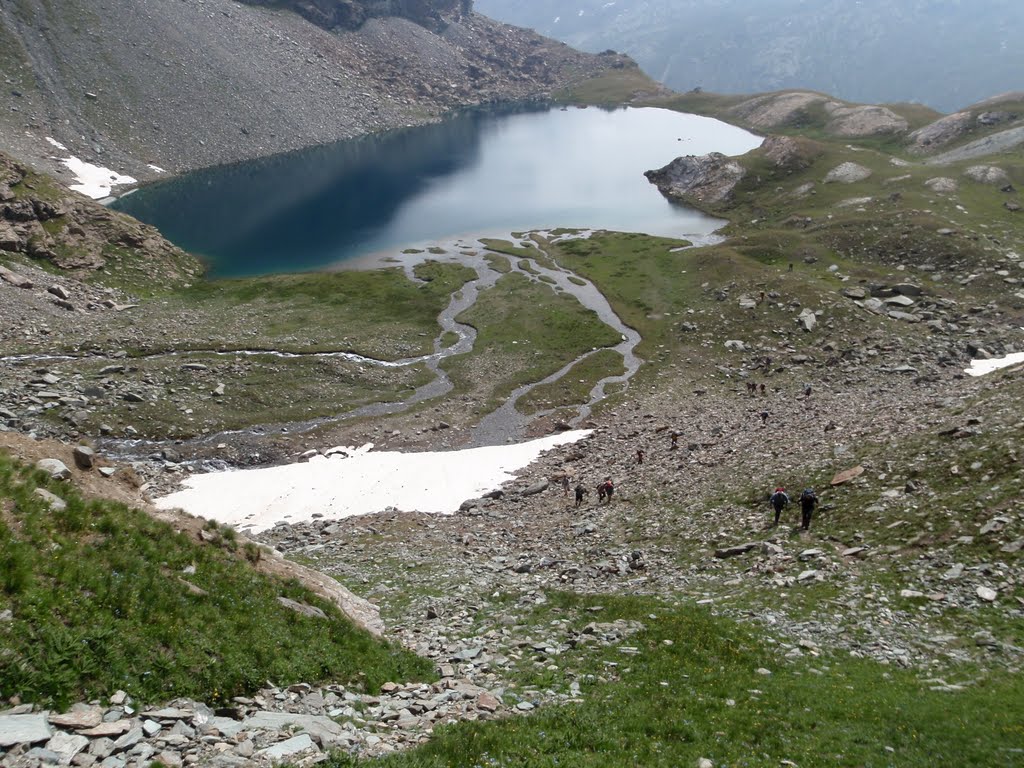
<point>705,179</point>
<point>55,468</point>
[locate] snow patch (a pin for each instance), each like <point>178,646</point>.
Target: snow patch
<point>356,482</point>
<point>981,367</point>
<point>92,180</point>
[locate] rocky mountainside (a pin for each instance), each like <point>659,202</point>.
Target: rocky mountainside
<point>352,14</point>
<point>936,52</point>
<point>138,87</point>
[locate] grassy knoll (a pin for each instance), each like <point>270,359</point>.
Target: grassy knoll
<point>524,332</point>
<point>575,386</point>
<point>102,597</point>
<point>613,88</point>
<point>692,687</point>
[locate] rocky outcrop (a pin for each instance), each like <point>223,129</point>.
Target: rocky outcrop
<point>1002,141</point>
<point>987,174</point>
<point>854,121</point>
<point>943,131</point>
<point>434,15</point>
<point>775,109</point>
<point>791,153</point>
<point>847,173</point>
<point>75,234</point>
<point>698,180</point>
<point>796,108</point>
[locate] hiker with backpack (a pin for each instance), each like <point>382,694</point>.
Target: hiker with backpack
<point>808,500</point>
<point>778,500</point>
<point>580,493</point>
<point>605,490</point>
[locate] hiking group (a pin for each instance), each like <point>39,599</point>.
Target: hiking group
<point>808,501</point>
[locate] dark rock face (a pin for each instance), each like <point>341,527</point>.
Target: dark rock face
<point>705,179</point>
<point>434,15</point>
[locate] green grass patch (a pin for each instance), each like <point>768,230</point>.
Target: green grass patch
<point>612,88</point>
<point>690,688</point>
<point>525,332</point>
<point>378,313</point>
<point>103,597</point>
<point>573,388</point>
<point>509,249</point>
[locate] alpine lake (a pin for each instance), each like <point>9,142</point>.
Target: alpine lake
<point>363,201</point>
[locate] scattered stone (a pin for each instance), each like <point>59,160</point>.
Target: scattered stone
<point>55,502</point>
<point>847,173</point>
<point>55,468</point>
<point>987,594</point>
<point>847,475</point>
<point>741,549</point>
<point>85,457</point>
<point>306,610</point>
<point>23,729</point>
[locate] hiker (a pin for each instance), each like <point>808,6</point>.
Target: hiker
<point>762,389</point>
<point>807,390</point>
<point>606,489</point>
<point>565,485</point>
<point>601,492</point>
<point>639,455</point>
<point>675,441</point>
<point>807,503</point>
<point>764,417</point>
<point>778,500</point>
<point>580,493</point>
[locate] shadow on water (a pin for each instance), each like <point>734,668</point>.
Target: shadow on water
<point>484,172</point>
<point>332,199</point>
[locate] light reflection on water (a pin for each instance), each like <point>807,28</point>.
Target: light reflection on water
<point>479,173</point>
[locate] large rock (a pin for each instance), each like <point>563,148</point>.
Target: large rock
<point>55,468</point>
<point>288,748</point>
<point>774,110</point>
<point>943,131</point>
<point>67,745</point>
<point>23,729</point>
<point>306,610</point>
<point>85,457</point>
<point>320,727</point>
<point>81,716</point>
<point>790,153</point>
<point>705,179</point>
<point>847,475</point>
<point>943,185</point>
<point>987,174</point>
<point>847,173</point>
<point>852,121</point>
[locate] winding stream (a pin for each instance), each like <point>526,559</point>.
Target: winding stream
<point>504,425</point>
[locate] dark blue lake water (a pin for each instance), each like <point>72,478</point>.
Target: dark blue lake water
<point>477,174</point>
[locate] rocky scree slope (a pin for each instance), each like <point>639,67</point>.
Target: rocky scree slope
<point>183,85</point>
